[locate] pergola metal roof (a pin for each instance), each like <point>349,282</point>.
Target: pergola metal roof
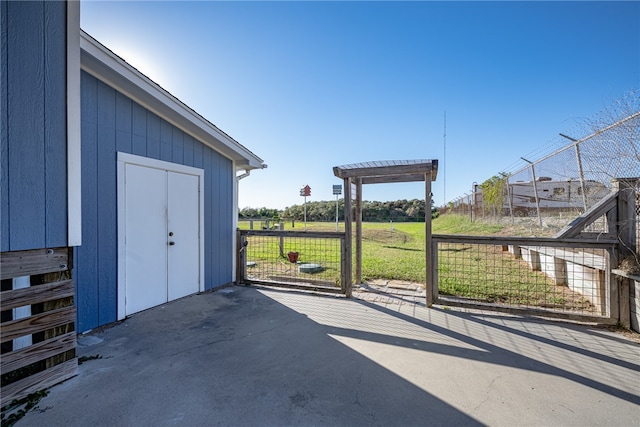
<point>387,171</point>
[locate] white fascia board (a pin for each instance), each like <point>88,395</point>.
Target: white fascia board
<point>103,64</point>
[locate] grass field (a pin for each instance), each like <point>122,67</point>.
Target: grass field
<point>396,251</point>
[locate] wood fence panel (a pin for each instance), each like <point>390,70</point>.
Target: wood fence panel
<point>47,357</point>
<point>39,381</point>
<point>37,323</point>
<point>26,356</point>
<point>29,263</point>
<point>36,294</point>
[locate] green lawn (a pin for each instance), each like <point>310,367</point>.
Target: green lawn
<point>397,251</point>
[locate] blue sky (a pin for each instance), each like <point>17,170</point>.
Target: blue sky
<point>312,85</point>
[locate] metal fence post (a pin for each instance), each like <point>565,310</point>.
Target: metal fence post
<point>510,201</point>
<point>535,192</point>
<point>581,175</point>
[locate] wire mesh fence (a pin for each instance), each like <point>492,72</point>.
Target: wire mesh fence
<point>550,191</point>
<point>530,274</point>
<point>301,259</point>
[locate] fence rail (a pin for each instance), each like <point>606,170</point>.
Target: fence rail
<point>38,317</point>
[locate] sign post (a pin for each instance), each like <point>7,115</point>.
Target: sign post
<point>305,191</point>
<point>337,190</point>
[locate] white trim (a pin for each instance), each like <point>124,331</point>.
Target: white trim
<point>122,160</point>
<point>74,173</point>
<point>122,253</point>
<point>100,62</point>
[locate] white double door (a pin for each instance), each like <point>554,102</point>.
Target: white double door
<point>162,236</point>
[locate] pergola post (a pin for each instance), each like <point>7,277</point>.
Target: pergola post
<point>346,287</point>
<point>358,215</point>
<point>430,285</point>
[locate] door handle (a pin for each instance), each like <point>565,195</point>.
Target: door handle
<point>172,243</point>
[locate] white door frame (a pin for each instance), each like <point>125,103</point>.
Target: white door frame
<point>122,160</point>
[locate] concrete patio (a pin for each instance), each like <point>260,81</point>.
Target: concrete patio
<point>264,357</point>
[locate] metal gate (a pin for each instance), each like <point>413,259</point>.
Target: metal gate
<point>295,259</point>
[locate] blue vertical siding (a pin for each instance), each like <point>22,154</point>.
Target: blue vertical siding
<point>216,226</point>
<point>86,265</point>
<point>112,122</point>
<point>197,155</point>
<point>178,146</point>
<point>188,150</point>
<point>34,172</point>
<point>166,141</point>
<point>153,136</point>
<point>139,125</point>
<point>55,123</point>
<point>124,118</point>
<point>226,177</point>
<point>4,132</point>
<point>107,210</point>
<point>26,126</point>
<point>209,220</point>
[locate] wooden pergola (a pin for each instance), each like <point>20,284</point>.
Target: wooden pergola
<point>382,172</point>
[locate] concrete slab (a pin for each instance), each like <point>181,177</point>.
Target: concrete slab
<point>266,357</point>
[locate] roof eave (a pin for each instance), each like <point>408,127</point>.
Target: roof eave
<point>100,62</point>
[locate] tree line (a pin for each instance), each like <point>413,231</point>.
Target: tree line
<point>397,211</point>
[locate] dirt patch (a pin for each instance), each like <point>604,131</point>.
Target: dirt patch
<point>395,284</point>
<point>627,333</point>
<point>386,236</point>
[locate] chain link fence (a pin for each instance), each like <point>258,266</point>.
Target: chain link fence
<point>569,175</point>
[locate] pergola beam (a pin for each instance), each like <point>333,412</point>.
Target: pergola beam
<point>415,177</point>
<point>389,170</point>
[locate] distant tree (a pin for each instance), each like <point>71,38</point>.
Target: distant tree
<point>493,192</point>
<point>256,213</point>
<point>372,211</point>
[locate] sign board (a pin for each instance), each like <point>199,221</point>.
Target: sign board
<point>305,191</point>
<point>337,189</point>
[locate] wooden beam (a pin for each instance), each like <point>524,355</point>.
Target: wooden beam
<point>36,294</point>
<point>575,227</point>
<point>34,353</point>
<point>38,261</point>
<point>293,285</point>
<point>39,381</point>
<point>526,241</point>
<point>348,237</point>
<point>384,170</point>
<point>37,323</point>
<point>358,215</point>
<point>286,233</point>
<point>417,177</point>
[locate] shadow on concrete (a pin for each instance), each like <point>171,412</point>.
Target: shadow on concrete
<point>494,354</point>
<point>234,358</point>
